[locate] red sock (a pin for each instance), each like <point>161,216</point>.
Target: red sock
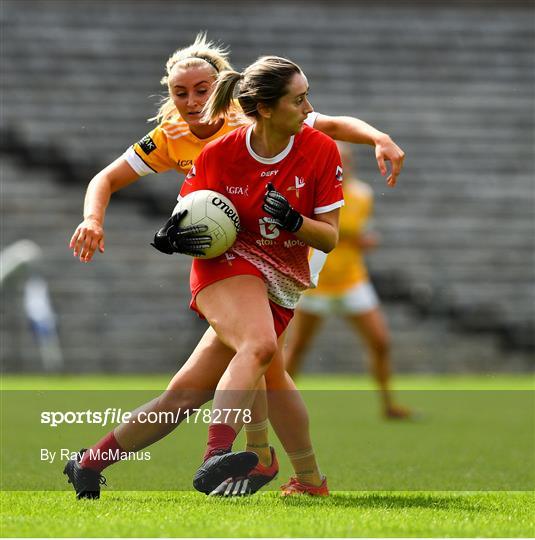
<point>106,452</point>
<point>220,436</point>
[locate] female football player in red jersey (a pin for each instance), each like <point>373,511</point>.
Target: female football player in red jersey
<point>250,302</point>
<point>190,73</point>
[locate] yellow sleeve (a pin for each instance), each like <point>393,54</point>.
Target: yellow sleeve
<point>150,154</point>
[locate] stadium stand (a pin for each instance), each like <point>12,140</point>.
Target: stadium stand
<point>453,84</point>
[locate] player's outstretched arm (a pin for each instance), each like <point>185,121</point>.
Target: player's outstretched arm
<point>89,235</point>
<point>353,130</point>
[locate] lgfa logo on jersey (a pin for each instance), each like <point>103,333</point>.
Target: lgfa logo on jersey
<point>299,183</point>
<point>238,190</point>
<point>183,163</point>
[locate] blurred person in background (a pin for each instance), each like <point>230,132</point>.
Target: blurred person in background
<point>174,144</point>
<point>345,289</point>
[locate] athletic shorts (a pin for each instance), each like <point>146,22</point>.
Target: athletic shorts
<point>204,272</point>
<point>359,299</point>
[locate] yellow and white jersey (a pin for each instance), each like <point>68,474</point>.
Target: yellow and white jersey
<point>171,145</point>
<point>345,266</point>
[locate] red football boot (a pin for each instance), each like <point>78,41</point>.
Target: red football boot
<point>294,487</point>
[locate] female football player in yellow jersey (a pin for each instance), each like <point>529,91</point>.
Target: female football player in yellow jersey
<point>344,289</point>
<point>177,140</point>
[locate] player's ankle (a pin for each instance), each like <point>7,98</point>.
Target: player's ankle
<point>263,453</point>
<point>314,479</point>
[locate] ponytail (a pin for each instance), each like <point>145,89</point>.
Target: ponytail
<point>222,97</point>
<point>265,82</point>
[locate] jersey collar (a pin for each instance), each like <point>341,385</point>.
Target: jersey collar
<point>264,160</point>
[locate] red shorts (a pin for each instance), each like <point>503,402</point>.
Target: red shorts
<point>204,272</point>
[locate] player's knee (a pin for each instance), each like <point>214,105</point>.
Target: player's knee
<point>181,400</point>
<point>381,345</point>
<point>262,350</point>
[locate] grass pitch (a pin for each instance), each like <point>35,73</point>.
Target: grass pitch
<point>344,514</point>
<point>377,513</point>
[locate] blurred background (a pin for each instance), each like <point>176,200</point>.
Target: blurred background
<point>452,83</point>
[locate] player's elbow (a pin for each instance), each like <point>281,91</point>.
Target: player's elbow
<point>328,248</point>
<point>101,184</point>
<point>329,242</point>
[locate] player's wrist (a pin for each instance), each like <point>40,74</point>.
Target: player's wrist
<point>294,221</point>
<point>280,210</point>
<point>380,139</point>
<point>93,219</point>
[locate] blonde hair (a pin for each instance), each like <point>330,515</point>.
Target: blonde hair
<point>201,52</point>
<point>265,81</point>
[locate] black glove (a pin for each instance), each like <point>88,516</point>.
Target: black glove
<point>172,238</point>
<point>283,215</point>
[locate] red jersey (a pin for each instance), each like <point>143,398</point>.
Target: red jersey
<point>307,172</point>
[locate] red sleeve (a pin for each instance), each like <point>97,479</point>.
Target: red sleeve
<point>196,178</point>
<point>329,194</point>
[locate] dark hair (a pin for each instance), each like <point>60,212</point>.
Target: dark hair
<point>264,82</point>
